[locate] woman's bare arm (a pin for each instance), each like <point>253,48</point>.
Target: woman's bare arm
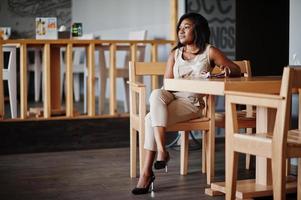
<point>219,59</point>
<point>169,65</point>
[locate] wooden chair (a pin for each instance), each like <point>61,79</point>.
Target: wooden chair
<point>138,112</point>
<point>246,118</point>
<point>278,146</point>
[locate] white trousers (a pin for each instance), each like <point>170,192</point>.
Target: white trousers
<point>167,108</point>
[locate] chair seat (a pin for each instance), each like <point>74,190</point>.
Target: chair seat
<point>193,124</point>
<point>293,142</point>
<point>243,120</point>
<point>293,137</point>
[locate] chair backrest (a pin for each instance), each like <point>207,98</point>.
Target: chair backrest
<point>296,84</point>
<point>294,88</point>
<point>245,67</point>
<point>34,57</point>
<point>78,56</point>
<point>146,69</point>
<point>290,81</point>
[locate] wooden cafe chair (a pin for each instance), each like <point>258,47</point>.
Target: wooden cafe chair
<point>246,117</point>
<point>138,112</point>
<point>278,146</point>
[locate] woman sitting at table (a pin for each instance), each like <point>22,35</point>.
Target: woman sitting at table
<point>192,57</point>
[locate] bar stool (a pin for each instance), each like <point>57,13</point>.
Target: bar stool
<point>36,68</point>
<point>10,75</point>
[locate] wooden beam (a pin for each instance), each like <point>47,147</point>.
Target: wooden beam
<point>112,75</point>
<point>91,79</point>
<point>46,80</point>
<point>23,81</point>
<point>69,81</point>
<point>173,18</point>
<point>155,80</point>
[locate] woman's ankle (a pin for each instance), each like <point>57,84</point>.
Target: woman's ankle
<point>162,155</point>
<point>147,173</point>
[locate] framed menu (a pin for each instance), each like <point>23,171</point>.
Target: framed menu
<point>5,32</point>
<point>46,28</point>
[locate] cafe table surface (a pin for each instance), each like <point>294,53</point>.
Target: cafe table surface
<point>262,184</point>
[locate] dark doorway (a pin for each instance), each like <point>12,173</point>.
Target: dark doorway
<point>262,35</point>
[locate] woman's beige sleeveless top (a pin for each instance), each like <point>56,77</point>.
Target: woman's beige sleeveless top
<point>185,69</point>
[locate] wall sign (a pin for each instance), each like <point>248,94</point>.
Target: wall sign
<point>221,17</point>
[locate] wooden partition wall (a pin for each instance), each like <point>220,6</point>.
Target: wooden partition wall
<point>51,70</point>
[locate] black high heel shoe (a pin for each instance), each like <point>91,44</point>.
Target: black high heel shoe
<point>147,189</point>
<point>160,164</point>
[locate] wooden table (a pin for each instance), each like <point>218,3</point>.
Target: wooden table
<point>51,69</point>
<point>246,189</point>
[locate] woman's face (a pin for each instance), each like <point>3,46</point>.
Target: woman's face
<point>185,32</point>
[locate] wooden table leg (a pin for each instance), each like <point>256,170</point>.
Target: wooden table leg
<point>264,124</point>
<point>210,146</point>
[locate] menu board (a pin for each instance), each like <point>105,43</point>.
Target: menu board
<point>46,28</point>
<point>5,33</point>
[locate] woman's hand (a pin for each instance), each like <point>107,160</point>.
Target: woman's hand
<point>226,70</point>
<point>217,58</point>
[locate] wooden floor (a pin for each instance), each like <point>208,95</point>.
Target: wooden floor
<point>89,159</point>
<point>99,174</point>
